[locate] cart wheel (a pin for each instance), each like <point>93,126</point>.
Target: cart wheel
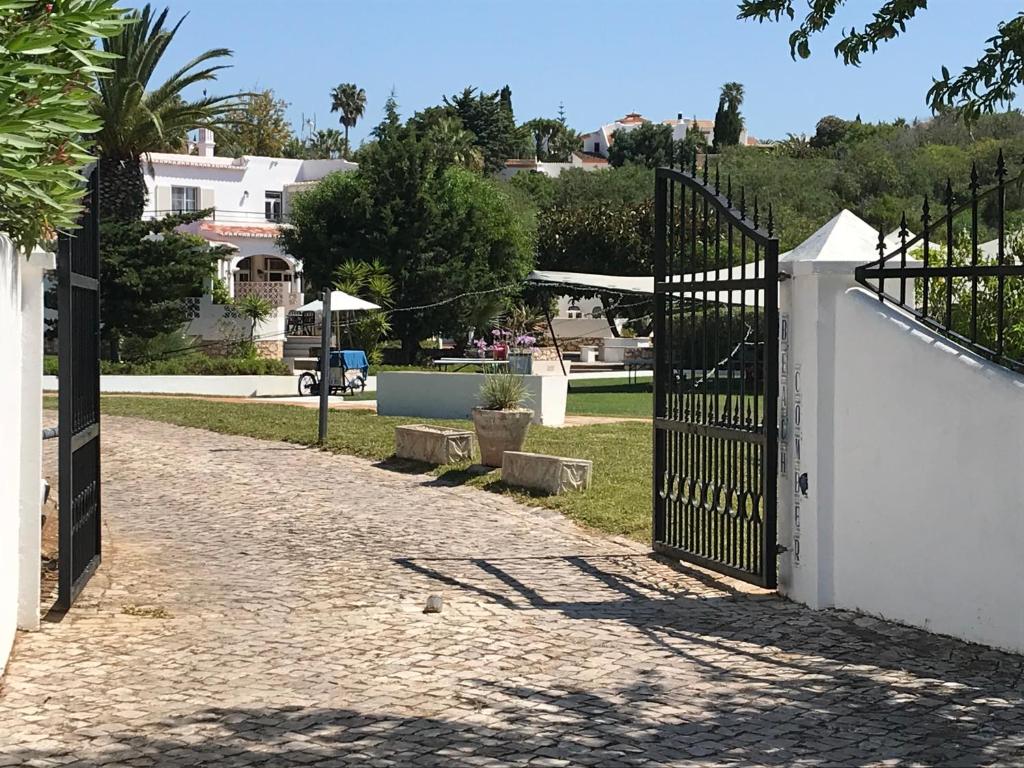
<point>307,384</point>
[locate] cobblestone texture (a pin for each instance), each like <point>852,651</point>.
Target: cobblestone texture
<point>294,584</point>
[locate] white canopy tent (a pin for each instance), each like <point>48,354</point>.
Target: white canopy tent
<point>626,284</point>
<point>340,302</point>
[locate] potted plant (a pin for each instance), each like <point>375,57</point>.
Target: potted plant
<point>520,356</point>
<point>501,420</point>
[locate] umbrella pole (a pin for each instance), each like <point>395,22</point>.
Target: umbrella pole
<point>325,366</point>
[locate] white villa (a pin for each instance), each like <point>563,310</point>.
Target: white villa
<point>250,197</point>
<point>582,160</point>
<point>597,142</point>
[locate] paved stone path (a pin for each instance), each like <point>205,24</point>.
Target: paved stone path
<point>261,604</point>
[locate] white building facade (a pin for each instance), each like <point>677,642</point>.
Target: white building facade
<point>581,160</point>
<point>597,142</point>
<point>250,197</point>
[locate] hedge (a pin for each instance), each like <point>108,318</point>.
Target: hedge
<point>188,365</point>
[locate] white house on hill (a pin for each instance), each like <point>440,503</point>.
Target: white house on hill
<point>250,197</point>
<point>597,142</point>
<point>582,160</point>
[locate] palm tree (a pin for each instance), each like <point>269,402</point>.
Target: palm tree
<point>351,102</point>
<point>137,119</point>
<point>255,309</point>
<point>732,94</point>
<point>454,145</point>
<point>327,143</point>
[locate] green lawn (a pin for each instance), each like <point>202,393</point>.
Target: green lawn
<point>610,397</point>
<point>619,501</point>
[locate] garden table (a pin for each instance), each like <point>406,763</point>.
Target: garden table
<point>460,363</point>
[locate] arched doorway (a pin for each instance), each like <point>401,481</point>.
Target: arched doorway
<point>274,278</point>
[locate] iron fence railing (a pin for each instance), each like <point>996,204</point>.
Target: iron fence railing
<point>963,275</point>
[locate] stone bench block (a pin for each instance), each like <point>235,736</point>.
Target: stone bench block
<point>548,474</point>
<point>433,445</point>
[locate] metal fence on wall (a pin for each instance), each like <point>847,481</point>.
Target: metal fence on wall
<point>963,275</point>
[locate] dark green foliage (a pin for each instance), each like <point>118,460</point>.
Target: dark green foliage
<point>830,131</point>
<point>728,121</point>
<point>190,364</point>
<point>489,117</point>
<point>147,269</point>
<point>350,101</point>
<point>553,140</point>
<point>621,186</point>
<point>878,171</point>
<point>648,144</point>
<point>439,231</point>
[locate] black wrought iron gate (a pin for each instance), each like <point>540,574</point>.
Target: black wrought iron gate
<point>716,377</point>
<point>78,305</point>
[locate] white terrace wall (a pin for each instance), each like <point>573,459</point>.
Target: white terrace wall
<point>912,452</point>
<point>21,349</point>
<point>929,487</point>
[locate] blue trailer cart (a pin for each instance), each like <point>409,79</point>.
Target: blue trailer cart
<point>348,371</point>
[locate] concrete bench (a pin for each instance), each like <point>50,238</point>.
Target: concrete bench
<point>549,474</point>
<point>433,445</point>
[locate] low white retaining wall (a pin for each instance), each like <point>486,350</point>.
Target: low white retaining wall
<point>613,350</point>
<point>454,395</point>
<point>224,386</point>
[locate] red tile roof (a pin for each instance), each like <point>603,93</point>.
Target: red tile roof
<point>632,117</point>
<point>238,230</point>
<point>590,157</point>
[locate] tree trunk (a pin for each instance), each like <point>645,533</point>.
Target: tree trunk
<point>410,348</point>
<point>609,314</point>
<point>122,189</point>
<point>114,349</point>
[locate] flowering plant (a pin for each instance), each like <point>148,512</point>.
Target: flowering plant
<point>525,342</point>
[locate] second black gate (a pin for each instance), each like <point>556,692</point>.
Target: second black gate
<point>78,329</point>
<point>716,377</point>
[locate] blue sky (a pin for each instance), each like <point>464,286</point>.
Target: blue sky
<point>602,58</point>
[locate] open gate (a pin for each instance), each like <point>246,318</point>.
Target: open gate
<point>716,377</point>
<point>78,305</point>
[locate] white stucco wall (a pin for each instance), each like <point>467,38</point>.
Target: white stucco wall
<point>223,386</point>
<point>21,285</point>
<point>454,395</point>
<point>212,324</point>
<point>929,493</point>
<point>237,186</point>
<point>10,450</point>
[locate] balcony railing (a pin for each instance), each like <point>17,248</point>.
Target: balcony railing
<point>279,294</point>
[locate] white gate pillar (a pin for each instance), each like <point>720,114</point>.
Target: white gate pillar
<point>820,270</point>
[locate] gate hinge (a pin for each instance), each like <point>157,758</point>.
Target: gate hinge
<point>779,549</point>
<point>783,276</point>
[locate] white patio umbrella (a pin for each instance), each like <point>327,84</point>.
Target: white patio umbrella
<point>340,302</point>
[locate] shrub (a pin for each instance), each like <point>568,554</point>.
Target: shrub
<point>195,364</point>
<point>503,392</point>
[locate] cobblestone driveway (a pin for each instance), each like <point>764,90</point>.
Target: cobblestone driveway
<point>294,582</point>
